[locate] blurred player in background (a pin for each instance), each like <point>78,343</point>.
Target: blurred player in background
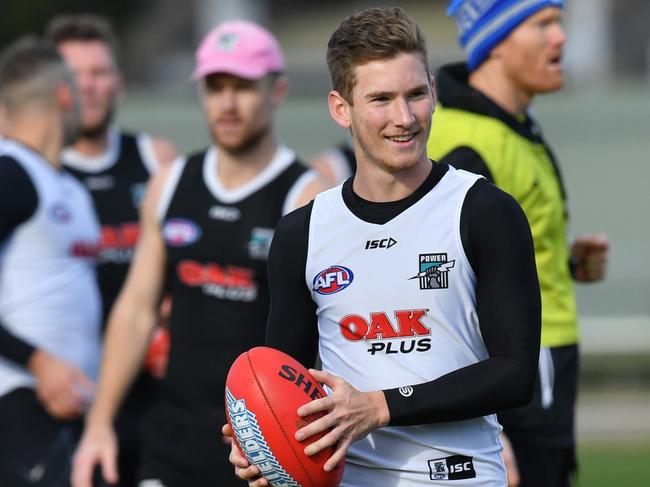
<point>50,308</point>
<point>398,277</point>
<point>514,52</point>
<point>207,225</point>
<point>115,166</point>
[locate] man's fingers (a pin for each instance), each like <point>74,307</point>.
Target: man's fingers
<point>250,472</point>
<point>64,408</point>
<point>243,469</point>
<point>599,241</point>
<point>71,405</point>
<point>330,439</point>
<point>338,456</point>
<point>261,482</point>
<point>84,387</point>
<point>82,470</point>
<point>315,427</point>
<point>109,465</point>
<point>236,457</point>
<point>324,377</point>
<point>316,406</point>
<point>82,380</point>
<point>590,243</point>
<point>238,460</point>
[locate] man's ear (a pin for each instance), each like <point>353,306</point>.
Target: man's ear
<point>280,90</point>
<point>434,95</point>
<point>120,93</point>
<point>339,109</point>
<point>65,97</point>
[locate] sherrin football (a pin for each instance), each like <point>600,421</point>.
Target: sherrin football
<point>264,389</point>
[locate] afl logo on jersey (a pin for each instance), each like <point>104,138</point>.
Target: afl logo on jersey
<point>59,213</point>
<point>333,279</point>
<point>179,232</point>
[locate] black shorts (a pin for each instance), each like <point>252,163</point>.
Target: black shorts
<point>138,401</point>
<point>182,447</point>
<point>36,449</point>
<point>545,466</point>
<point>543,433</point>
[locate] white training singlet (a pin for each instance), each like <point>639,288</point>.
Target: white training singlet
<point>48,290</point>
<point>398,311</point>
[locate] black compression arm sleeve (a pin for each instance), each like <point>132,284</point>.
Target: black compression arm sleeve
<point>18,202</point>
<point>14,348</point>
<point>499,245</point>
<point>292,326</point>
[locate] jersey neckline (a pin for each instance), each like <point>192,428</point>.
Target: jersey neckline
<point>95,164</point>
<point>14,149</point>
<point>383,212</point>
<point>281,160</point>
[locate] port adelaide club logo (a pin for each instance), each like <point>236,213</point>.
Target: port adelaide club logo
<point>434,271</point>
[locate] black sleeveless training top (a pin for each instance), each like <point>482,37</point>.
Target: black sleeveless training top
<point>117,188</point>
<point>217,243</point>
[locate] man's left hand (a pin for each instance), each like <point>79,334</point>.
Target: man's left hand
<point>350,416</point>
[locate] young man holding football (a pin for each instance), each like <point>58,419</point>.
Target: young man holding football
<point>421,342</point>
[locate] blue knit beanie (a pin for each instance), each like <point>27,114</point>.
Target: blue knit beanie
<point>485,23</point>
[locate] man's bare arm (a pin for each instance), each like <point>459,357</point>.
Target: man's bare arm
<point>129,329</point>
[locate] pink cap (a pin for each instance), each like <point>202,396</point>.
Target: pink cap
<point>240,48</point>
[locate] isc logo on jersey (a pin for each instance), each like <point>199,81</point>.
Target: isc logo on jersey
<point>179,232</point>
<point>455,467</point>
<point>388,337</point>
<point>332,280</point>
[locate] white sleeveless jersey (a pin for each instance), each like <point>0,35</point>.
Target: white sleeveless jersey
<point>48,290</point>
<point>396,307</point>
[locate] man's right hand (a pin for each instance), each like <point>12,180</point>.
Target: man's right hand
<point>64,390</point>
<point>98,446</point>
<point>243,469</point>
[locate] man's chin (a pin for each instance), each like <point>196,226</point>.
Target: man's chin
<point>97,128</point>
<point>93,131</point>
<point>240,146</point>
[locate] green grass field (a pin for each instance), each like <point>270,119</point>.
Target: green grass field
<point>614,465</point>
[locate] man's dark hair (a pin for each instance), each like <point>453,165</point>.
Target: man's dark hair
<point>82,27</point>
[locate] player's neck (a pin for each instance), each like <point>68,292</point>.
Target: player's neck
<point>490,80</point>
<point>43,133</point>
<point>91,146</point>
<point>236,169</point>
<point>373,183</point>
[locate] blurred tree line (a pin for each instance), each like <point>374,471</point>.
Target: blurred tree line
<point>30,16</point>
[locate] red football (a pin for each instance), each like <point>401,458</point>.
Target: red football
<point>264,389</point>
